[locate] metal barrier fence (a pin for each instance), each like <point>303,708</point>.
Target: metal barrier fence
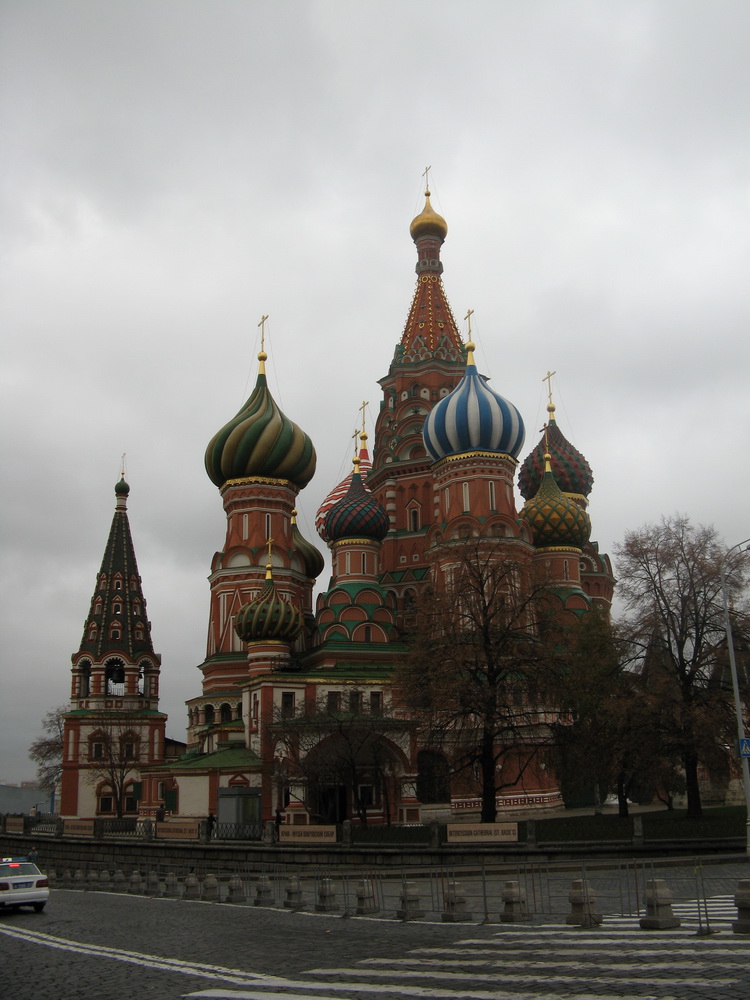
<point>536,892</point>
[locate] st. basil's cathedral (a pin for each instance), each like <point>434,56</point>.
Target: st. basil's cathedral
<point>288,677</point>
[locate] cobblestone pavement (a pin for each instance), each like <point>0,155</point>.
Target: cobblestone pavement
<point>103,946</point>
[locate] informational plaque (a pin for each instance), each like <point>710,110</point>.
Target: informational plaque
<point>307,834</point>
<point>176,830</point>
<point>78,827</point>
<point>482,833</point>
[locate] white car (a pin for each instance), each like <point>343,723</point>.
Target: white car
<point>22,884</point>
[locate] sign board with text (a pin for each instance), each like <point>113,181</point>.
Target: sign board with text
<point>482,833</point>
<point>78,827</point>
<point>307,834</point>
<point>176,830</point>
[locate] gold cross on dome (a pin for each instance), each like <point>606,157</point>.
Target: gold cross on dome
<point>364,405</point>
<point>426,175</point>
<point>269,546</point>
<point>467,317</point>
<point>262,326</point>
<point>548,379</point>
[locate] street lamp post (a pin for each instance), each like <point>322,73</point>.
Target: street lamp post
<point>744,761</point>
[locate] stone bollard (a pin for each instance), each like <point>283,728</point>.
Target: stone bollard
<point>236,890</point>
<point>105,883</point>
<point>409,898</point>
<point>366,899</point>
<point>67,876</point>
<point>742,901</point>
<point>293,899</point>
<point>515,908</point>
<point>79,878</point>
<point>192,887</point>
<point>171,885</point>
<point>135,884</point>
<point>326,897</point>
<point>51,877</point>
<point>582,899</point>
<point>659,913</point>
<point>454,904</point>
<point>92,879</point>
<point>118,882</point>
<point>210,888</point>
<point>263,892</point>
<point>153,884</point>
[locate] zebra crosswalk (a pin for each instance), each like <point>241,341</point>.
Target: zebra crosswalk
<point>700,959</point>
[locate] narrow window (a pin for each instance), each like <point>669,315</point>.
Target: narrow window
<point>287,704</point>
<point>492,496</point>
<point>414,519</point>
<point>466,495</point>
<point>364,563</point>
<point>268,526</point>
<point>368,633</point>
<point>244,526</point>
<point>376,702</point>
<point>334,702</point>
<point>355,702</point>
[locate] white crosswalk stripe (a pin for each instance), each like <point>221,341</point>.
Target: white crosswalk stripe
<point>544,962</point>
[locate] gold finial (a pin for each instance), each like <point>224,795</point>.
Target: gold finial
<point>262,356</point>
<point>547,462</point>
<point>294,515</point>
<point>470,345</point>
<point>426,175</point>
<point>550,405</point>
<point>355,463</point>
<point>269,546</point>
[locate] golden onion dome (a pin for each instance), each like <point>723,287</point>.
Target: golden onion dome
<point>428,222</point>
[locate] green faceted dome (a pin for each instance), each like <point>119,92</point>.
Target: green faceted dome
<point>554,518</point>
<point>261,441</point>
<point>268,617</point>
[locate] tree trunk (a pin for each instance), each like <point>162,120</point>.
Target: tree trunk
<point>489,791</point>
<point>694,807</point>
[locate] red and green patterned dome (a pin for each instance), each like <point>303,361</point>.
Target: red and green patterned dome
<point>356,515</point>
<point>261,441</point>
<point>269,617</point>
<point>554,518</point>
<point>572,472</point>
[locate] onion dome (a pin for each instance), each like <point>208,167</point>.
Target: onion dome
<point>554,518</point>
<point>122,489</point>
<point>339,491</point>
<point>356,515</point>
<point>268,617</point>
<point>261,441</point>
<point>473,418</point>
<point>572,472</point>
<point>428,222</point>
<point>312,559</point>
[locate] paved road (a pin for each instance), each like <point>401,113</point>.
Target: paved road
<point>103,946</point>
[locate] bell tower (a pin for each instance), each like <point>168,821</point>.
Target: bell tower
<point>114,726</point>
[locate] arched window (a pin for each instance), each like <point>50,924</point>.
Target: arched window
<point>98,606</point>
<point>465,490</point>
<point>84,679</point>
<point>114,676</point>
<point>414,519</point>
<point>225,712</point>
<point>209,715</point>
<point>491,486</point>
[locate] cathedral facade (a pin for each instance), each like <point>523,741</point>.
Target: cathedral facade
<point>298,716</point>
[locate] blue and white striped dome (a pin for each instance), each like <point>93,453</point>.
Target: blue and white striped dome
<point>473,418</point>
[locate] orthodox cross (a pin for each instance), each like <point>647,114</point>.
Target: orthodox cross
<point>269,545</point>
<point>262,326</point>
<point>426,175</point>
<point>467,317</point>
<point>362,408</point>
<point>548,379</point>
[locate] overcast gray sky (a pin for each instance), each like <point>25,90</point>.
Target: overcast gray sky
<point>173,169</point>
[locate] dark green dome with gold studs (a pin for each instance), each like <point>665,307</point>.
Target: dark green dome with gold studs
<point>554,518</point>
<point>269,617</point>
<point>261,442</point>
<point>311,557</point>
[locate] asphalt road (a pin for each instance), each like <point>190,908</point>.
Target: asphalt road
<point>106,946</point>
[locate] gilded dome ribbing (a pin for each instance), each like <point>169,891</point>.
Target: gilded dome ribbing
<point>260,441</point>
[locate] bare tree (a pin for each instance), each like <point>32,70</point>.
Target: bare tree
<point>47,751</point>
<point>342,753</point>
<point>671,585</point>
<point>114,755</point>
<point>478,670</point>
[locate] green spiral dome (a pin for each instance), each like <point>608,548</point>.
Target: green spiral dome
<point>268,617</point>
<point>261,441</point>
